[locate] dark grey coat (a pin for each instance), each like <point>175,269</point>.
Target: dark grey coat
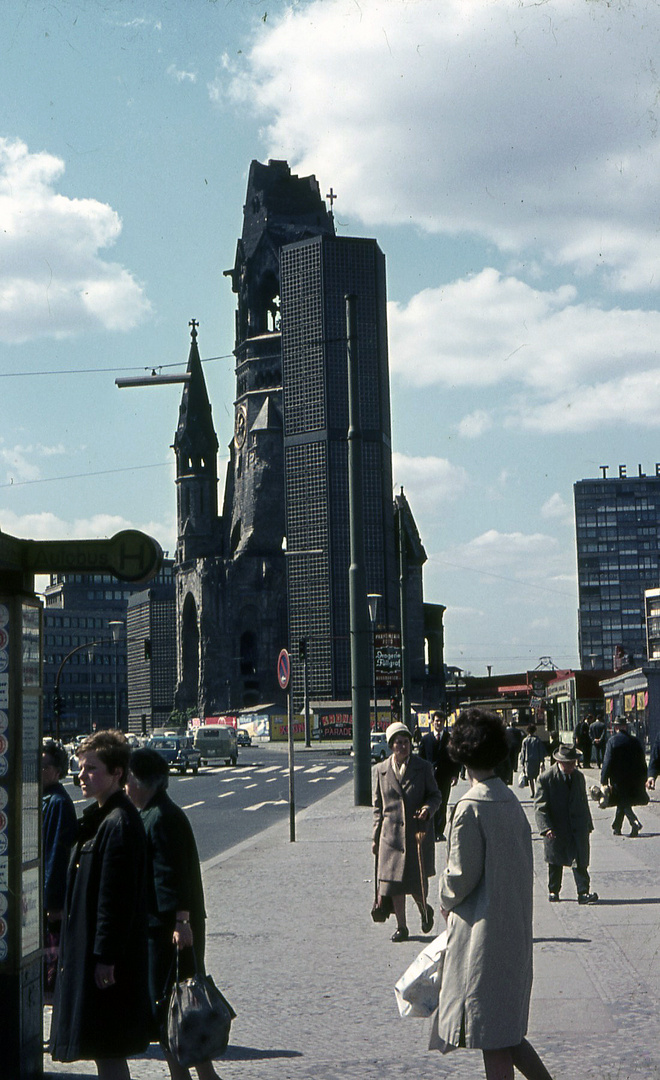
<point>565,809</point>
<point>105,920</point>
<point>394,808</point>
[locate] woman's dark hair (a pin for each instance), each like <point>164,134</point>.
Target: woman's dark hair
<point>478,739</point>
<point>150,768</point>
<point>111,747</point>
<point>531,729</point>
<point>58,756</point>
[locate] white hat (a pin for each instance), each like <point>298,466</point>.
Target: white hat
<point>397,729</point>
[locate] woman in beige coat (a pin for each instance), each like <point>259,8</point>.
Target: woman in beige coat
<point>486,898</point>
<point>405,799</point>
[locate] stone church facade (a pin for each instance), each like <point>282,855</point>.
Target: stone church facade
<point>240,585</point>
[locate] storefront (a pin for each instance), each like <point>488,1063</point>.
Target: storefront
<point>635,695</point>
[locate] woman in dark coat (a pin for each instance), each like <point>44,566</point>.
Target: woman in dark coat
<point>175,892</point>
<point>406,797</point>
<point>101,1008</point>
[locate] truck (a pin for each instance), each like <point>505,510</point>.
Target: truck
<point>215,741</point>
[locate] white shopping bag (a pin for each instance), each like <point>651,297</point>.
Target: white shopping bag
<point>418,989</point>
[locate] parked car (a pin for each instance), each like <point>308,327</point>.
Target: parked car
<point>243,737</point>
<point>216,741</point>
<point>178,751</point>
<point>379,748</point>
<point>74,768</point>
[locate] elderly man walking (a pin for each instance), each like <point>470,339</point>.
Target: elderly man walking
<point>624,769</point>
<point>564,821</point>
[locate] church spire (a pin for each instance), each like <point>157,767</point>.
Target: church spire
<point>196,448</point>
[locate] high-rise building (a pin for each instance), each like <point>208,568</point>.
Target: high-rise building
<point>316,276</point>
<point>151,649</point>
<point>617,522</point>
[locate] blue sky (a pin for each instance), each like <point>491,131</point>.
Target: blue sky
<point>505,156</point>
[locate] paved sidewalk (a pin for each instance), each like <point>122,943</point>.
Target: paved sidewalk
<point>291,943</point>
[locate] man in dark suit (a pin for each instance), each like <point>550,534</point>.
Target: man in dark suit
<point>598,733</point>
<point>654,764</point>
<point>564,821</point>
<point>433,748</point>
<point>624,768</point>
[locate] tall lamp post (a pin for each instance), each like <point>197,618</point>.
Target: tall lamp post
<point>372,600</point>
<point>115,626</point>
<point>57,697</point>
<point>90,661</point>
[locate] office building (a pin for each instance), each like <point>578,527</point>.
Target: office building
<point>617,521</point>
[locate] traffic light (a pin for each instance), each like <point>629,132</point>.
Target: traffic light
<point>395,703</point>
<point>302,649</point>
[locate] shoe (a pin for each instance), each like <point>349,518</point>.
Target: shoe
<point>554,897</point>
<point>400,934</point>
<point>587,897</point>
<point>427,922</point>
<point>636,829</point>
<point>616,832</point>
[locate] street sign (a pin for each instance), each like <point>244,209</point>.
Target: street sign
<point>129,555</point>
<point>283,669</point>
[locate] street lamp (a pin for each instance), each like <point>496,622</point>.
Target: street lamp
<point>115,626</point>
<point>372,600</point>
<point>90,661</point>
<point>57,698</point>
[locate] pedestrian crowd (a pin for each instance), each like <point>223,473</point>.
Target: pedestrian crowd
<point>122,897</point>
<point>485,888</point>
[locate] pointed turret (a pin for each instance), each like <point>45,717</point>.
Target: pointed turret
<point>196,448</point>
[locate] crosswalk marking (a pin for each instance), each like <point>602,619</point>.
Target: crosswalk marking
<point>272,779</point>
<point>225,794</point>
<point>191,805</point>
<point>317,779</point>
<point>269,768</point>
<point>316,768</point>
<point>248,786</point>
<point>339,768</point>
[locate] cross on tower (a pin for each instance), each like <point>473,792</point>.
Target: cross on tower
<point>194,323</point>
<point>331,195</point>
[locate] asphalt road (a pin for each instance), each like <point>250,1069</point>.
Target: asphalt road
<point>227,804</point>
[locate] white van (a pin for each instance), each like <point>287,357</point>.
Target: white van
<point>216,741</point>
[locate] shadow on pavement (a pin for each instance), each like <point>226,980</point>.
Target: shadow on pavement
<point>251,1053</point>
<point>562,940</point>
<point>609,902</point>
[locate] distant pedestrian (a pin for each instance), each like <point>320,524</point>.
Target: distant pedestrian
<point>509,765</point>
<point>59,830</point>
<point>486,897</point>
<point>532,756</point>
<point>598,733</point>
<point>624,769</point>
<point>582,739</point>
<point>563,819</point>
<point>433,748</point>
<point>405,799</point>
<point>654,764</point>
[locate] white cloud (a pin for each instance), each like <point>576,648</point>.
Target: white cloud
<point>475,424</point>
<point>531,125</point>
<point>556,508</point>
<point>53,280</point>
<point>568,366</point>
<point>181,76</point>
<point>526,560</point>
<point>20,460</point>
<point>429,483</point>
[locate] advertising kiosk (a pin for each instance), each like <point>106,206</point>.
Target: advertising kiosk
<point>130,556</point>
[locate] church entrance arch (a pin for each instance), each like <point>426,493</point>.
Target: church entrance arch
<point>189,690</point>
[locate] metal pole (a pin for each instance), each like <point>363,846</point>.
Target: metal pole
<point>403,614</point>
<point>359,618</point>
<point>292,801</point>
<point>308,731</point>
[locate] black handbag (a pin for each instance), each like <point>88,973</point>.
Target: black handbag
<point>198,1019</point>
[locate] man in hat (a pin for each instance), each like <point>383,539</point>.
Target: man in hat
<point>564,821</point>
<point>624,769</point>
<point>433,748</point>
